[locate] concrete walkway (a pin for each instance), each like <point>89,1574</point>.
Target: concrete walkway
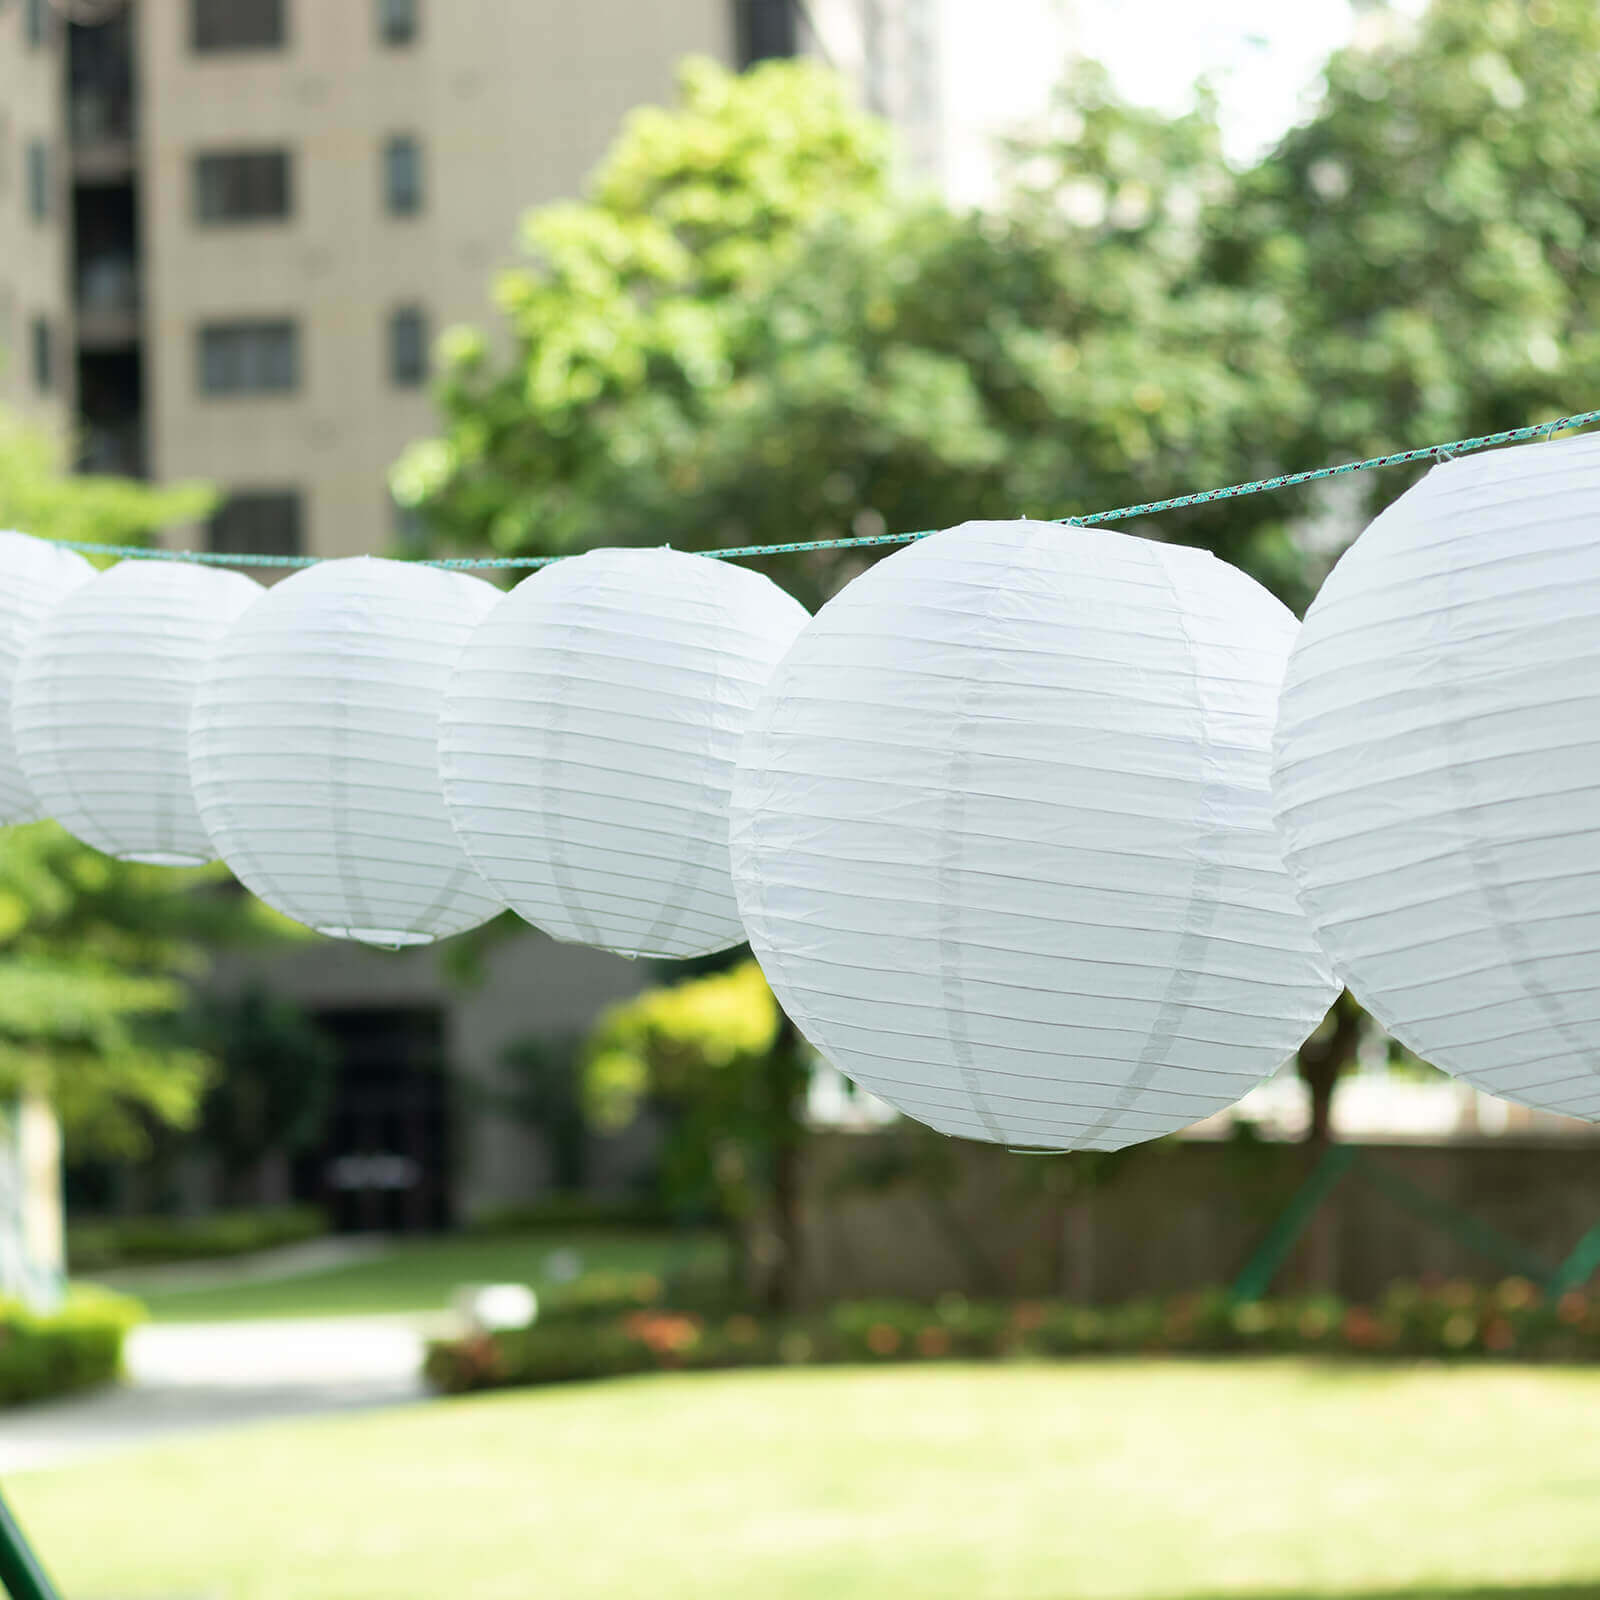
<point>263,1266</point>
<point>191,1377</point>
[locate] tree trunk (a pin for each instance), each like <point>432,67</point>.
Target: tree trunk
<point>788,1130</point>
<point>1323,1057</point>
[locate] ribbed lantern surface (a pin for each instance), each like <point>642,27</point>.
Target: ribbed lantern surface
<point>589,739</point>
<point>313,750</point>
<point>102,701</point>
<point>1437,771</point>
<point>1002,841</point>
<point>35,576</point>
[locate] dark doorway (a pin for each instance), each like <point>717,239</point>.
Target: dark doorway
<point>385,1165</point>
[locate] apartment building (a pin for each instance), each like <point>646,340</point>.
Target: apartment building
<point>230,230</point>
<point>37,377</point>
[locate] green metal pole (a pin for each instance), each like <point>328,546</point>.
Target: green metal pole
<point>20,1571</point>
<point>1274,1250</point>
<point>1575,1271</point>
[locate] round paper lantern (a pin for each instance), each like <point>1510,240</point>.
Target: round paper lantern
<point>35,576</point>
<point>1437,771</point>
<point>313,750</point>
<point>589,737</point>
<point>1002,838</point>
<point>100,712</point>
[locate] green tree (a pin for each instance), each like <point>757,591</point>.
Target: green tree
<point>95,955</point>
<point>542,1088</point>
<point>869,359</point>
<point>1434,230</point>
<point>728,1071</point>
<point>618,322</point>
<point>1415,262</point>
<point>273,1085</point>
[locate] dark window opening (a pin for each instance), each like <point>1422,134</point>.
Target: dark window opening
<point>250,357</point>
<point>37,23</point>
<point>385,1162</point>
<point>236,25</point>
<point>408,347</point>
<point>44,355</point>
<point>242,186</point>
<point>258,522</point>
<point>764,30</point>
<point>402,176</point>
<point>39,184</point>
<point>397,21</point>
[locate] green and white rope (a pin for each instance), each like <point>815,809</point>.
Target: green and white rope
<point>1232,491</point>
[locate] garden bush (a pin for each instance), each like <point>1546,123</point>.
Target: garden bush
<point>1511,1320</point>
<point>563,1212</point>
<point>148,1241</point>
<point>75,1347</point>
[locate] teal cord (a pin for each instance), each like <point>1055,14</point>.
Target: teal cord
<point>1233,491</point>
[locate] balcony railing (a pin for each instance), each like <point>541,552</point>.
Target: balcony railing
<point>103,128</point>
<point>108,302</point>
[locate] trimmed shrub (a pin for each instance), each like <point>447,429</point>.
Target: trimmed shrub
<point>1511,1320</point>
<point>564,1212</point>
<point>149,1241</point>
<point>76,1347</point>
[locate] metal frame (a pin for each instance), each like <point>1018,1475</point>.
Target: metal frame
<point>20,1572</point>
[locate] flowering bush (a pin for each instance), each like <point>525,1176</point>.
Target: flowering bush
<point>1508,1321</point>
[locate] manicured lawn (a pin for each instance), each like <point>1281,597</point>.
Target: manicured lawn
<point>1062,1482</point>
<point>421,1274</point>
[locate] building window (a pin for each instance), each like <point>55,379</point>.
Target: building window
<point>408,347</point>
<point>39,185</point>
<point>44,355</point>
<point>402,176</point>
<point>258,522</point>
<point>241,186</point>
<point>236,24</point>
<point>36,23</point>
<point>258,357</point>
<point>764,29</point>
<point>397,21</point>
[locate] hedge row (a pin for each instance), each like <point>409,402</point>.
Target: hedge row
<point>1510,1320</point>
<point>562,1212</point>
<point>76,1347</point>
<point>147,1241</point>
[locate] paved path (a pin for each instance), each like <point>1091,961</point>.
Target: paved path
<point>262,1266</point>
<point>187,1377</point>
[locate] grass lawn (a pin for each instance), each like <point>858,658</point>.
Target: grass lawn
<point>421,1274</point>
<point>1065,1482</point>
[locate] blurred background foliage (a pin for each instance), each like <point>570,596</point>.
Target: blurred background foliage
<point>96,956</point>
<point>750,332</point>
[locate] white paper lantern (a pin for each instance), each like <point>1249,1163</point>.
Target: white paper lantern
<point>1437,771</point>
<point>35,576</point>
<point>1002,838</point>
<point>589,738</point>
<point>313,750</point>
<point>100,712</point>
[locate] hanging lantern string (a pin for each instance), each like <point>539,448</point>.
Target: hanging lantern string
<point>1233,491</point>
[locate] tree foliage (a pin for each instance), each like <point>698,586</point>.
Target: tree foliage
<point>274,1080</point>
<point>698,1051</point>
<point>748,334</point>
<point>1434,230</point>
<point>96,955</point>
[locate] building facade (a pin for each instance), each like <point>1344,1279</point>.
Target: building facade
<point>36,366</point>
<point>234,228</point>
